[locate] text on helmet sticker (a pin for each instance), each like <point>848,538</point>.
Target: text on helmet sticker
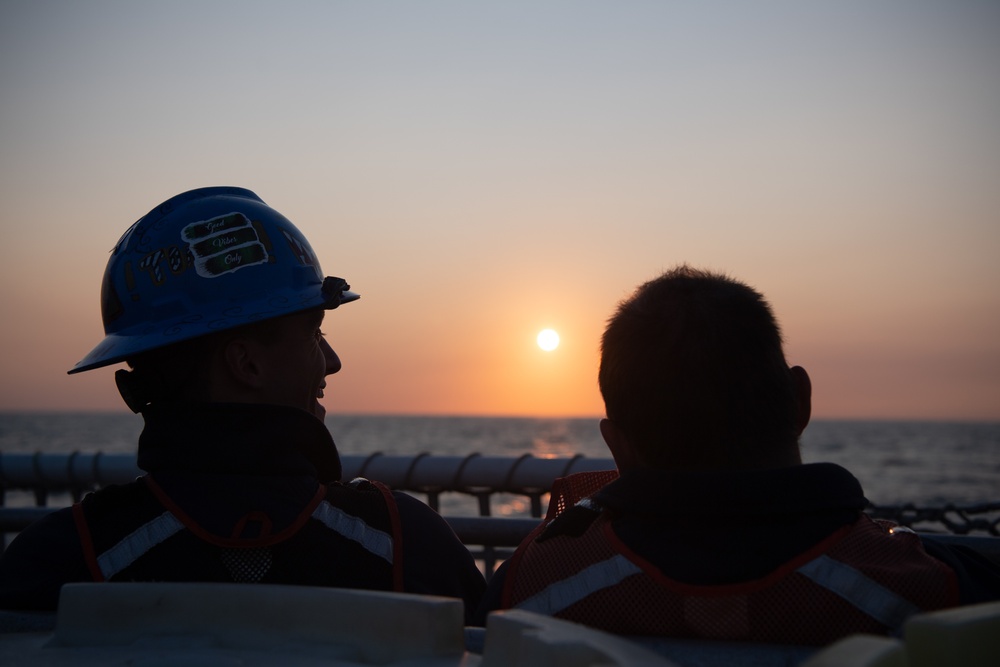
<point>224,244</point>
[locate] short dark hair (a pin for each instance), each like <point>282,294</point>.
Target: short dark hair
<point>693,374</point>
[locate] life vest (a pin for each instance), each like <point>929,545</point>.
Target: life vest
<point>347,536</point>
<point>868,577</point>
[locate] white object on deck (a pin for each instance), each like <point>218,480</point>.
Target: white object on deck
<point>967,636</point>
<point>961,637</point>
<point>861,651</point>
<point>154,624</point>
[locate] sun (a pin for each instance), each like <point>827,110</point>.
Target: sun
<point>548,340</point>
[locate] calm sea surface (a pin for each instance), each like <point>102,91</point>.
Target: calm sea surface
<point>925,463</point>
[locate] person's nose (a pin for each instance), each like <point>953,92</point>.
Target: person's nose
<point>332,360</point>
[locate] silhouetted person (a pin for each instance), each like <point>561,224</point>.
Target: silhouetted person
<point>216,301</point>
<point>714,528</point>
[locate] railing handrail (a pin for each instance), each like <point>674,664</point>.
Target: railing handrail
<point>476,475</point>
<point>60,472</point>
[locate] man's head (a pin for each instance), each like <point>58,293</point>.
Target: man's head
<point>280,361</point>
<point>694,378</point>
<point>215,280</point>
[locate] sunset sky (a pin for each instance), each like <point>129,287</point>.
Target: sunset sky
<point>482,171</point>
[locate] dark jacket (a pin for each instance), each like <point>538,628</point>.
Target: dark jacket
<point>240,478</point>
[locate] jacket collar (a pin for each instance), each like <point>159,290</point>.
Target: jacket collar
<point>797,489</point>
<point>237,438</point>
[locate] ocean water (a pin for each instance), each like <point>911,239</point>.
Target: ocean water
<point>923,463</point>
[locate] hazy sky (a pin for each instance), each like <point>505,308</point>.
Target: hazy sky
<point>480,171</point>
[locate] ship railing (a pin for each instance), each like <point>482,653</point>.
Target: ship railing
<point>55,479</point>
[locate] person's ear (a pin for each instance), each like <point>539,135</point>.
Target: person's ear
<point>803,394</point>
<point>242,363</point>
<point>625,455</point>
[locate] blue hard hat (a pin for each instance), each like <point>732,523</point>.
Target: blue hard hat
<point>204,261</point>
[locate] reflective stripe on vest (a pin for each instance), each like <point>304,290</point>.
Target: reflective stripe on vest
<point>864,593</point>
<point>866,577</point>
<point>375,541</point>
<point>137,543</point>
<point>134,545</point>
<point>557,596</point>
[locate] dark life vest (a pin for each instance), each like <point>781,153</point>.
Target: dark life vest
<point>347,536</point>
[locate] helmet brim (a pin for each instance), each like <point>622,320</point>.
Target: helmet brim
<point>121,346</point>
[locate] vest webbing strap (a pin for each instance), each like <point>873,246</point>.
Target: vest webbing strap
<point>376,541</point>
<point>867,595</point>
<point>864,593</point>
<point>559,595</point>
<point>134,545</point>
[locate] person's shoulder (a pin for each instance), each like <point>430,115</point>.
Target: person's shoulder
<point>53,526</point>
<point>422,525</point>
<point>44,540</point>
<point>415,509</point>
<point>116,498</point>
<point>412,512</point>
<point>978,574</point>
<point>42,557</point>
<point>116,493</point>
<point>57,531</point>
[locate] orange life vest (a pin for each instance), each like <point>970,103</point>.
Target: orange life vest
<point>868,577</point>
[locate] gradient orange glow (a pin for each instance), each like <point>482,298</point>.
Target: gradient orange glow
<point>481,171</point>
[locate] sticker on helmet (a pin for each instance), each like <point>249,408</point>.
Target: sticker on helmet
<point>301,249</point>
<point>224,244</point>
